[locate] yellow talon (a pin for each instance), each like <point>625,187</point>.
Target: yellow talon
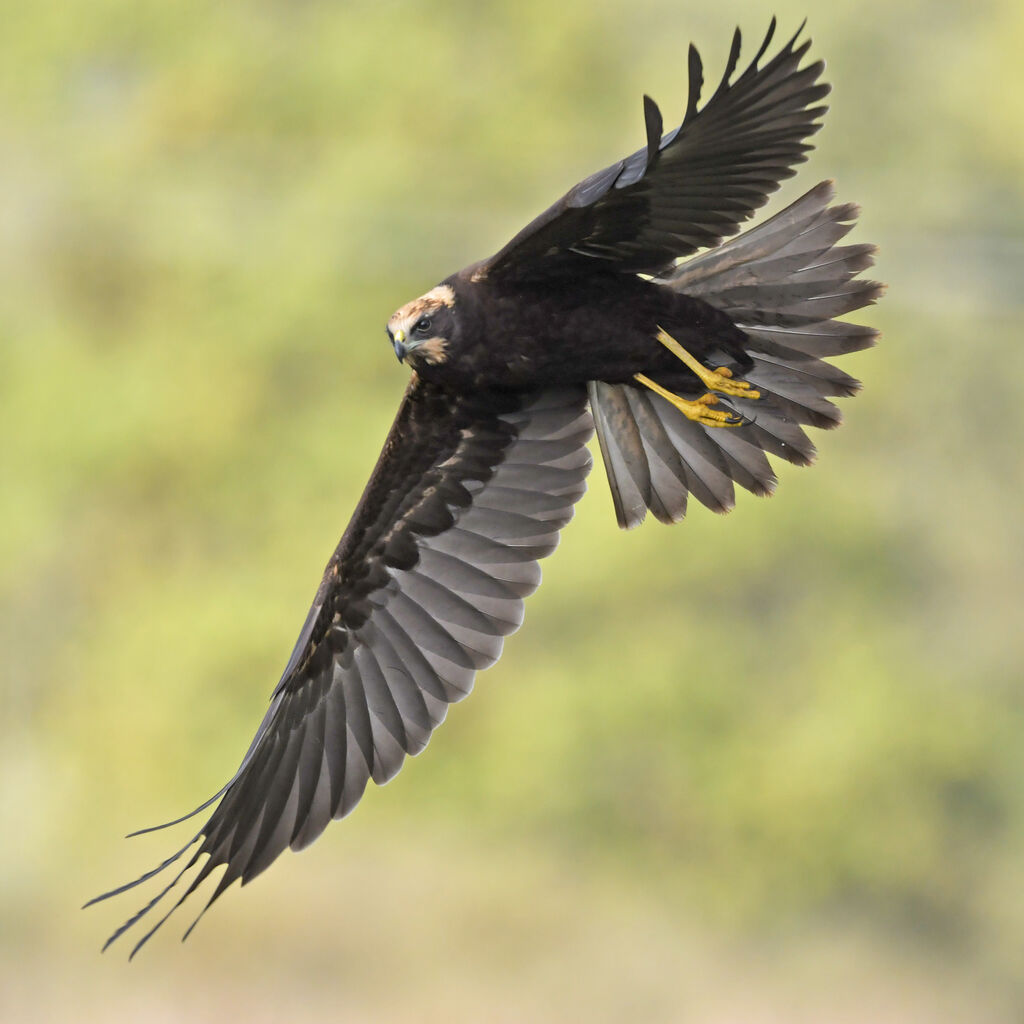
<point>720,380</point>
<point>697,410</point>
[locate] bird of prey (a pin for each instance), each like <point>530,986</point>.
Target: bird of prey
<point>692,371</point>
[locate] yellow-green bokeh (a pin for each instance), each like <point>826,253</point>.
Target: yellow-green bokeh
<point>761,768</point>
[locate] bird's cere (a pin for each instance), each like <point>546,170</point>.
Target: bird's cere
<point>398,343</point>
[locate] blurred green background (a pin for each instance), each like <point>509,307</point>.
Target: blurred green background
<point>763,768</point>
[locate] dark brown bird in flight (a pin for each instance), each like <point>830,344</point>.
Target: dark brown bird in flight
<point>692,372</point>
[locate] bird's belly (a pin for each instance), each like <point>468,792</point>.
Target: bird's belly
<point>566,347</point>
<point>612,336</point>
<point>558,360</point>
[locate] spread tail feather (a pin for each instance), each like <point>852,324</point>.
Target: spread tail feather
<point>783,283</point>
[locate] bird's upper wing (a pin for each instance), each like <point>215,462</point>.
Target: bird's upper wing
<point>688,189</point>
<point>468,494</point>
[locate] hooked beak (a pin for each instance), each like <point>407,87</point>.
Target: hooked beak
<point>398,341</point>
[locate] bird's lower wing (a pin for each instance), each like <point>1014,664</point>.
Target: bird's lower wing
<point>469,493</point>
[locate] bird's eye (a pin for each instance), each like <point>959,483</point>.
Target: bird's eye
<point>422,325</point>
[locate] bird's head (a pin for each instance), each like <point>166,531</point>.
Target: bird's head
<point>423,330</point>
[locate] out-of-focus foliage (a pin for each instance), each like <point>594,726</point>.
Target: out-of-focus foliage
<point>783,749</point>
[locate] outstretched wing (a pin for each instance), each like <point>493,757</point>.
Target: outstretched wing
<point>686,190</point>
<point>468,494</point>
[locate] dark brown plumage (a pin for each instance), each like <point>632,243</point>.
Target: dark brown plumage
<point>577,322</point>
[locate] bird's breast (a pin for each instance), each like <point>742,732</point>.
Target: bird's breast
<point>571,332</point>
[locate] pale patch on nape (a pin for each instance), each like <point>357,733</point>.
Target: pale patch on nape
<point>432,351</point>
<point>433,300</point>
<point>442,295</point>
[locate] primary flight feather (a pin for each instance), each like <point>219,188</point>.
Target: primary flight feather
<point>692,372</point>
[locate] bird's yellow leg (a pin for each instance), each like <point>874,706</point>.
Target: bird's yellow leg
<point>698,410</point>
<point>720,380</point>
